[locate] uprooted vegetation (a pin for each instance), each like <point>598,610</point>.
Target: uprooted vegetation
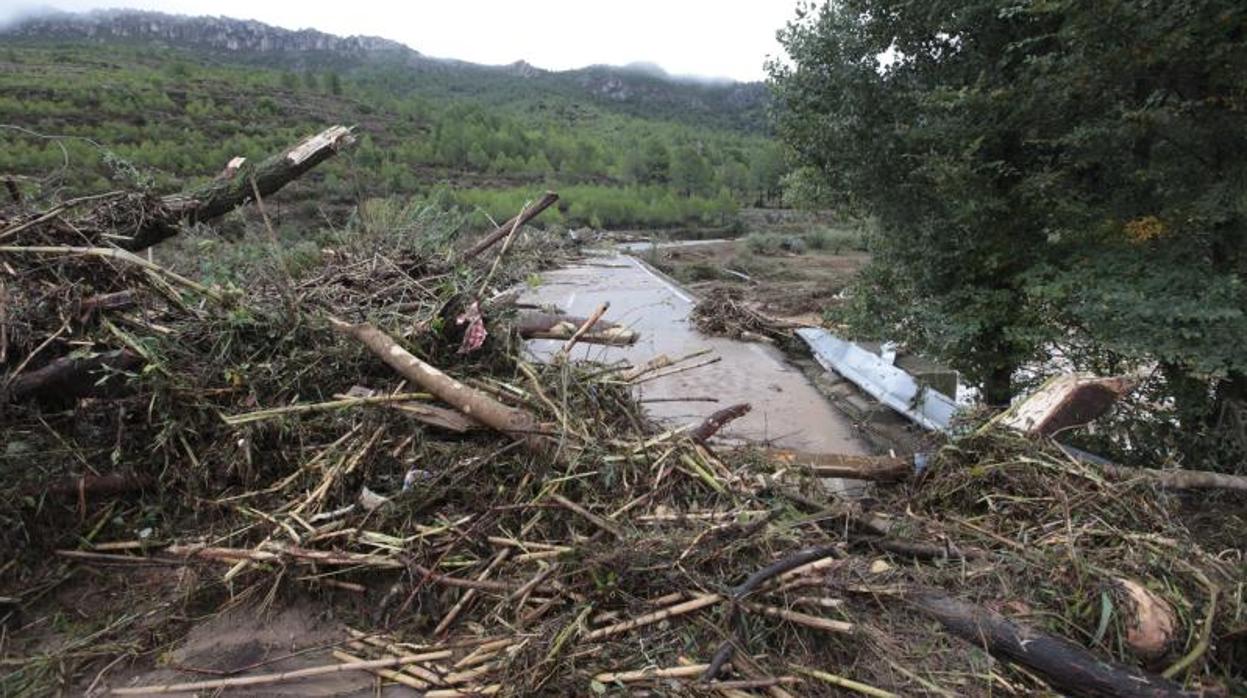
<point>768,278</point>
<point>526,529</point>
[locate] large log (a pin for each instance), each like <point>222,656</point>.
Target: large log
<point>1175,479</point>
<point>539,325</point>
<point>901,468</point>
<point>1067,667</point>
<point>1170,479</point>
<point>222,195</point>
<point>517,424</point>
<point>1064,402</point>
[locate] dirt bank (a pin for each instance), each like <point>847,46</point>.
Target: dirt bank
<point>781,282</point>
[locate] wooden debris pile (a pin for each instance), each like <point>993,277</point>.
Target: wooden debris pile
<point>724,312</point>
<point>370,431</point>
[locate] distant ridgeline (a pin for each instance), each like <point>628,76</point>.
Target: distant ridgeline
<point>150,98</point>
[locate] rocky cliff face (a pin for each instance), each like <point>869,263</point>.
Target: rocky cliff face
<point>214,33</point>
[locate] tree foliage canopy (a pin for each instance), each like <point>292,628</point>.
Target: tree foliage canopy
<point>1048,176</point>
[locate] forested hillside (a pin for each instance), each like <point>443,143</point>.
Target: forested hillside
<point>151,99</point>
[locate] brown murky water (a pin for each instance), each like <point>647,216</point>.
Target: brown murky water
<point>787,411</point>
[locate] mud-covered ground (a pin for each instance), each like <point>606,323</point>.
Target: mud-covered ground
<point>781,282</point>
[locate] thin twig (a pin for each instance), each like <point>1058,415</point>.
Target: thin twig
<point>584,327</point>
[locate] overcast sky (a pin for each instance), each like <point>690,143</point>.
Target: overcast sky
<point>709,38</point>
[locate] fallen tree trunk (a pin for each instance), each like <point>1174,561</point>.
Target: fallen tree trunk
<point>873,468</point>
<point>517,424</point>
<point>900,468</point>
<point>1174,479</point>
<point>505,229</point>
<point>98,375</point>
<point>1066,666</point>
<point>1180,479</point>
<point>1064,402</point>
<point>538,325</point>
<point>222,195</point>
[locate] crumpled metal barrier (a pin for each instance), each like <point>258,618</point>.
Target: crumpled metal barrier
<point>886,383</point>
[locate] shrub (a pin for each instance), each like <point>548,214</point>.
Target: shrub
<point>701,271</point>
<point>772,244</point>
<point>793,244</point>
<point>762,243</point>
<point>836,240</point>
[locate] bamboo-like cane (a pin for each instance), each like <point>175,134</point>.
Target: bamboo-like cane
<point>265,679</point>
<point>700,601</point>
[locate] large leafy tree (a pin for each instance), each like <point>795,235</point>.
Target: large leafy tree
<point>910,110</point>
<point>1046,174</point>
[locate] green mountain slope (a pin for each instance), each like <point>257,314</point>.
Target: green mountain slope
<point>109,96</point>
<point>637,89</point>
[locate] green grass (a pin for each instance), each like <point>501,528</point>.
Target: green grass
<point>832,240</point>
<point>599,206</point>
<point>836,240</point>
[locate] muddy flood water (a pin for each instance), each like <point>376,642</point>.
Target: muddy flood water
<point>788,410</point>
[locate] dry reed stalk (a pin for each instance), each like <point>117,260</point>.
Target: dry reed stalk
<point>697,602</point>
<point>809,621</point>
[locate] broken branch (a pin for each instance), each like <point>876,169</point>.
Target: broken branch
<point>505,229</point>
<point>1064,665</point>
<point>513,422</point>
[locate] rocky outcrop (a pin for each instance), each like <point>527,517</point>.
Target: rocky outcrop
<point>215,33</point>
<point>524,69</point>
<point>638,88</point>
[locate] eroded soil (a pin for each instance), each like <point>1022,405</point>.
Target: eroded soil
<point>782,284</point>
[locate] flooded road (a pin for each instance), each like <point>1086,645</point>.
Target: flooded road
<point>646,246</point>
<point>787,411</point>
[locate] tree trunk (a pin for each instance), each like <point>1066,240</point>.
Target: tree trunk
<point>998,386</point>
<point>221,196</point>
<point>1231,392</point>
<point>539,325</point>
<point>873,468</point>
<point>1066,666</point>
<point>1180,479</point>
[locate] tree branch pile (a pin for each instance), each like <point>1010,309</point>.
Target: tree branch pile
<point>485,525</point>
